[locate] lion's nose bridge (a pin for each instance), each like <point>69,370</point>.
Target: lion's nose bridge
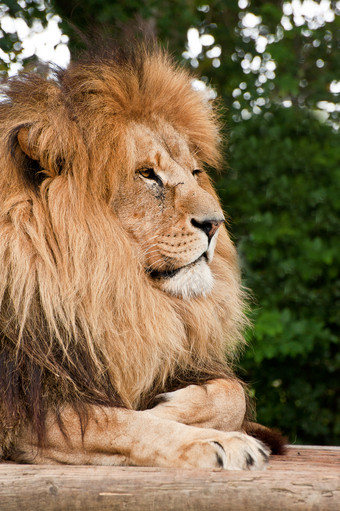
<point>203,211</point>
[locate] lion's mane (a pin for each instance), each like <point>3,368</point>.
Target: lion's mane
<point>80,321</point>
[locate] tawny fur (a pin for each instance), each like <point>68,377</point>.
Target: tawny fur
<point>82,324</point>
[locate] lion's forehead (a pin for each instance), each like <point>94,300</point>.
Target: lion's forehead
<point>160,144</point>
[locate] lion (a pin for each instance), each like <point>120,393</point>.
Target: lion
<point>121,309</point>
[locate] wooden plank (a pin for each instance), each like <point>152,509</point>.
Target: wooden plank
<point>311,458</point>
<point>304,479</point>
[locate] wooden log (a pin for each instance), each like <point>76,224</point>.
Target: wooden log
<point>304,479</point>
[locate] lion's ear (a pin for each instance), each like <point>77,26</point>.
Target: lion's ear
<point>24,149</point>
<point>25,144</point>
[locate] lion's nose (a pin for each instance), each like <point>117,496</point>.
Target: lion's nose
<point>208,226</point>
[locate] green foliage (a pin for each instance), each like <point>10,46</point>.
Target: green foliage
<point>283,194</point>
<point>167,19</point>
<point>35,13</point>
<point>296,63</point>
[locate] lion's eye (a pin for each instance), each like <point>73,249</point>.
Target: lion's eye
<point>149,173</point>
<point>197,172</point>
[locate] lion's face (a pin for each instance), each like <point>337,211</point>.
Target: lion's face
<point>167,212</point>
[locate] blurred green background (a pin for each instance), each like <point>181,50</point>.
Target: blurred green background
<point>276,68</point>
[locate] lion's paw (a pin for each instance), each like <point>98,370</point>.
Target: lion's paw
<point>229,451</point>
<point>244,452</point>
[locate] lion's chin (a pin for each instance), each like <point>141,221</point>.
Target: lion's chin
<point>188,282</point>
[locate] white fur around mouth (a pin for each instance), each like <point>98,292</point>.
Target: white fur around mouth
<point>189,281</point>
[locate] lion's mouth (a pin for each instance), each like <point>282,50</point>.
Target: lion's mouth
<point>168,274</point>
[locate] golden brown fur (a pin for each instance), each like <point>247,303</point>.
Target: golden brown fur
<point>82,323</point>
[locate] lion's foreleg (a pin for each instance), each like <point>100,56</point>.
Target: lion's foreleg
<point>218,404</point>
<point>116,436</point>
